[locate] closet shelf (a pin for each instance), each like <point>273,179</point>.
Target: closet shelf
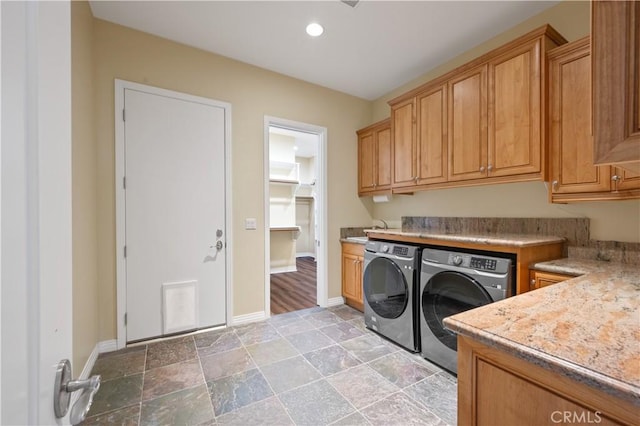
<point>284,228</point>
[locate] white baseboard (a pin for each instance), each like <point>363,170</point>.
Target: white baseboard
<point>107,346</point>
<point>306,254</point>
<point>335,301</point>
<point>247,318</point>
<point>283,269</point>
<point>88,366</point>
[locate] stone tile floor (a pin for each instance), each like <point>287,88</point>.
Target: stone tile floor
<point>311,367</point>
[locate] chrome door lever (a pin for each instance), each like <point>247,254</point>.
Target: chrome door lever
<point>63,389</point>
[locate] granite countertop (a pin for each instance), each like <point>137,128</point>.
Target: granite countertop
<point>577,266</point>
<point>585,328</point>
<point>512,240</point>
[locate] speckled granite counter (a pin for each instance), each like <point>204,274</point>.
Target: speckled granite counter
<point>512,240</point>
<point>586,328</point>
<point>576,266</point>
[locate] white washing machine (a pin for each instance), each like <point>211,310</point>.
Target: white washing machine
<point>390,286</point>
<point>452,282</point>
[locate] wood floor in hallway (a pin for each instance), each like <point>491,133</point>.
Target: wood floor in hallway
<point>292,291</point>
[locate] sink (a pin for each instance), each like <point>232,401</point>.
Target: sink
<point>358,239</point>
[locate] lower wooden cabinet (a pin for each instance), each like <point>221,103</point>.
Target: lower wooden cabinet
<point>352,263</point>
<point>497,388</point>
<point>539,279</point>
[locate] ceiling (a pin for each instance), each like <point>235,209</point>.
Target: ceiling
<point>305,144</point>
<point>366,51</point>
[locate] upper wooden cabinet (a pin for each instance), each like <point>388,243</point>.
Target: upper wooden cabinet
<point>468,124</point>
<point>615,31</point>
<point>374,158</point>
<point>420,139</point>
<point>573,173</point>
<point>490,112</point>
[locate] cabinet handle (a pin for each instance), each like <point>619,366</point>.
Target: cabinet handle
<point>416,179</point>
<point>481,169</point>
<point>554,185</point>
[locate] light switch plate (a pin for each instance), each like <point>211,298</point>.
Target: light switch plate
<point>250,223</point>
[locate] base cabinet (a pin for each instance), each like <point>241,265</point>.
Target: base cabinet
<point>496,388</point>
<point>539,279</point>
<point>352,263</point>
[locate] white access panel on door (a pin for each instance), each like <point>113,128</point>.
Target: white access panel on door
<point>175,214</point>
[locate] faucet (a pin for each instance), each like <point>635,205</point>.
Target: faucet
<point>385,226</point>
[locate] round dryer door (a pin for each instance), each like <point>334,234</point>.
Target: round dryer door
<point>448,293</point>
<point>385,288</point>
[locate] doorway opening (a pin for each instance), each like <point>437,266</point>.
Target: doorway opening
<point>294,216</point>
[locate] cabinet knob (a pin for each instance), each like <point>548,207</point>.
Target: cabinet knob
<point>533,282</point>
<point>554,184</point>
<point>615,178</point>
<point>489,168</point>
<point>481,169</point>
<point>415,179</point>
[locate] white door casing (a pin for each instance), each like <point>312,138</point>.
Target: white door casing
<point>174,157</point>
<point>36,207</point>
<point>322,292</point>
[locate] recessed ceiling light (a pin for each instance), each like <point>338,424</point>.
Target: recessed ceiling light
<point>314,29</point>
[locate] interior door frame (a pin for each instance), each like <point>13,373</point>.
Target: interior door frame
<point>322,288</point>
<point>121,281</point>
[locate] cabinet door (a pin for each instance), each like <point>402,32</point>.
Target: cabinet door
<point>539,279</point>
<point>403,143</point>
<point>570,139</point>
<point>351,276</point>
<point>615,29</point>
<point>366,162</point>
<point>514,112</point>
<point>626,179</point>
<point>468,125</point>
<point>432,136</point>
<point>383,158</point>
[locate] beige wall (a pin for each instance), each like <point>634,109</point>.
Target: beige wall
<point>610,220</point>
<point>84,213</point>
<point>253,93</point>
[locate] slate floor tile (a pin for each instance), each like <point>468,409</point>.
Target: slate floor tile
<point>323,318</point>
<point>361,385</point>
<point>342,331</point>
<point>267,412</point>
<point>226,364</point>
<point>346,312</point>
<point>170,378</point>
<point>355,419</point>
<point>315,404</point>
<point>126,364</point>
<point>117,393</point>
<point>309,341</point>
<point>399,409</point>
<point>256,333</point>
<point>216,341</point>
<point>170,351</point>
<point>438,394</point>
<point>290,373</point>
<point>125,417</point>
<point>184,407</point>
<point>400,370</point>
<point>233,392</point>
<point>297,326</point>
<point>368,347</point>
<point>331,359</point>
<point>271,351</point>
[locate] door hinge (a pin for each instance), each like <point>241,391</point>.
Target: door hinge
<point>125,318</point>
<point>123,115</point>
<point>124,182</point>
<point>125,251</point>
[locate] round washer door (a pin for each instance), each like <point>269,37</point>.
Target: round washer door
<point>448,293</point>
<point>385,288</point>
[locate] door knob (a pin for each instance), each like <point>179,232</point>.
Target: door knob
<point>219,245</point>
<point>219,233</point>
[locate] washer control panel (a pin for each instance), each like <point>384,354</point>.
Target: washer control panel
<point>483,263</point>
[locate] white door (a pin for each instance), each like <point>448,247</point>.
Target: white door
<point>175,214</point>
<point>36,208</point>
